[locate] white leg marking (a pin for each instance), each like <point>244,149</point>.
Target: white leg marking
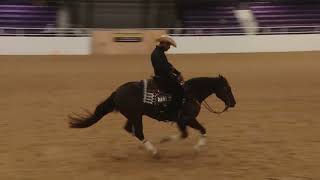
<point>149,147</point>
<point>202,141</point>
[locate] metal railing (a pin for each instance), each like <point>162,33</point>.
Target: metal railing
<point>46,32</point>
<point>270,30</point>
<point>86,32</point>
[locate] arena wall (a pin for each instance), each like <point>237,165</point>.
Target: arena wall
<point>45,45</point>
<point>247,44</point>
<point>186,45</point>
<point>124,41</point>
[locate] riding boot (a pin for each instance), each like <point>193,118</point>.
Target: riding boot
<point>175,105</point>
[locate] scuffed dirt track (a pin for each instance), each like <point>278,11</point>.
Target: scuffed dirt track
<point>273,133</point>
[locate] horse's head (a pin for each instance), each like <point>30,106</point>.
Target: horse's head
<point>224,92</point>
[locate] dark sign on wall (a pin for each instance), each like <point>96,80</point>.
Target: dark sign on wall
<point>127,37</point>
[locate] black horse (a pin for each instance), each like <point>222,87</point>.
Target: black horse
<point>128,100</point>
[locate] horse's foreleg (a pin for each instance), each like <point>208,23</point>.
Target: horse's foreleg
<point>138,132</point>
<point>182,126</point>
<point>129,128</point>
<point>202,140</point>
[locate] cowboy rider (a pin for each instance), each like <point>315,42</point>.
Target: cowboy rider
<point>166,74</point>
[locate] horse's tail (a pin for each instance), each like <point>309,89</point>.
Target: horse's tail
<point>101,110</point>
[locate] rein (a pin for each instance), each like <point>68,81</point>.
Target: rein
<point>210,109</point>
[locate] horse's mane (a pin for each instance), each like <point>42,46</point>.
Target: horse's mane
<point>197,84</point>
<point>200,81</point>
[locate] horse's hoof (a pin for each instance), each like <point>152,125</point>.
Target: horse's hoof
<point>156,156</point>
<point>195,153</point>
<point>165,139</point>
<point>196,149</point>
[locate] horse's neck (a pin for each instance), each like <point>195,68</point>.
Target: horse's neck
<point>201,88</point>
<point>204,94</point>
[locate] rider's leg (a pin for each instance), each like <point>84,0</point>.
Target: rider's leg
<point>177,94</point>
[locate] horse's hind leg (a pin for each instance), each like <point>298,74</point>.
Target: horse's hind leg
<point>196,125</point>
<point>182,126</point>
<point>137,130</point>
<point>129,127</point>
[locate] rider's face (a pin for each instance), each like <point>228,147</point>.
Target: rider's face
<point>166,45</point>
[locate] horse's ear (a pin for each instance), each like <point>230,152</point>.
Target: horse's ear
<point>221,77</point>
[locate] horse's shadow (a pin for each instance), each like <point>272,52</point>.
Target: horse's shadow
<point>166,155</point>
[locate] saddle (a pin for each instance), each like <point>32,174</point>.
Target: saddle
<point>155,95</point>
<point>158,97</point>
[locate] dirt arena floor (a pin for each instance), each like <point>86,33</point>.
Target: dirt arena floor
<point>272,134</point>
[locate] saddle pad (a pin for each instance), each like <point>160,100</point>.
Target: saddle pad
<point>152,95</point>
<point>148,97</point>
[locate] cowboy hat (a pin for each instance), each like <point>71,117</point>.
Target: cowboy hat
<point>166,38</point>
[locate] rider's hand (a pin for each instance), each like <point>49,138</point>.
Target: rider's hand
<point>175,71</point>
<point>180,79</point>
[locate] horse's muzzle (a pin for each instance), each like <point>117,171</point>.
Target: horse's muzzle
<point>230,105</point>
